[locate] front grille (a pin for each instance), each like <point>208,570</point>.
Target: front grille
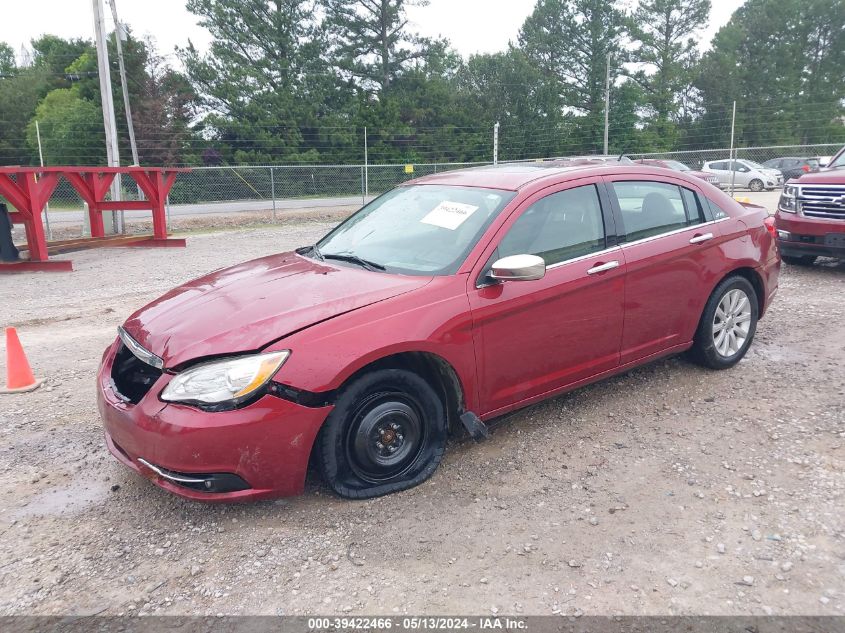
<point>823,201</point>
<point>132,377</point>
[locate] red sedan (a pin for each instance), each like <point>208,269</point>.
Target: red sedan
<point>444,303</point>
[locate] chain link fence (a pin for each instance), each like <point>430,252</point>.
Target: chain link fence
<point>263,187</point>
<point>266,188</point>
<point>696,158</point>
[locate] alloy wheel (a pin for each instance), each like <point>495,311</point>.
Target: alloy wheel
<point>731,322</point>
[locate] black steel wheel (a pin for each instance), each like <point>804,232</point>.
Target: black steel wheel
<point>386,433</point>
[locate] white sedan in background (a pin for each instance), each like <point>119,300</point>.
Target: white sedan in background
<point>746,174</point>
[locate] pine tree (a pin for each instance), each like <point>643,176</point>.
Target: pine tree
<point>663,33</point>
<point>372,41</point>
<point>569,41</point>
<point>264,77</point>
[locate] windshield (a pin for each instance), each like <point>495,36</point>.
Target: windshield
<point>673,164</point>
<point>753,165</point>
<point>416,230</point>
<point>839,162</point>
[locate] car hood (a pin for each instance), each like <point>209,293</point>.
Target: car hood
<point>835,176</point>
<point>248,306</point>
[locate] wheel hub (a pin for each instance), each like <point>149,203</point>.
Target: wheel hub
<point>731,323</point>
<point>387,437</point>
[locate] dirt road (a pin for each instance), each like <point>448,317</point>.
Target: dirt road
<point>670,490</point>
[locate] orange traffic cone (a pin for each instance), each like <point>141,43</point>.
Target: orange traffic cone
<point>19,376</point>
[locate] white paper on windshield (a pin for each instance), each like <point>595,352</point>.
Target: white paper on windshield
<point>449,215</point>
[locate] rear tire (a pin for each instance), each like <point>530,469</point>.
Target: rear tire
<point>799,260</point>
<point>756,185</point>
<point>386,433</point>
<point>727,324</point>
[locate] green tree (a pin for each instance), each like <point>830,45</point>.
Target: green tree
<point>19,96</point>
<point>372,40</point>
<point>264,78</point>
<point>783,61</point>
<point>569,41</point>
<point>160,98</point>
<point>662,31</point>
<point>7,59</point>
<point>507,88</point>
<point>71,129</point>
<point>54,54</point>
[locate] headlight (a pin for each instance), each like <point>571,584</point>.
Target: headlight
<point>789,199</point>
<point>230,380</point>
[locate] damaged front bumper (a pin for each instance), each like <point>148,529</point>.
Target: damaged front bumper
<point>256,452</point>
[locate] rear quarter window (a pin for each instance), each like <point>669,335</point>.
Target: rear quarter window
<point>717,211</point>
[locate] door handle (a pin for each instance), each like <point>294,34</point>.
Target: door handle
<point>698,239</point>
<point>600,268</point>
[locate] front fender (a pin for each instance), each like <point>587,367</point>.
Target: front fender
<point>435,320</point>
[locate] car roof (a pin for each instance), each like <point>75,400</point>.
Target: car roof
<point>515,176</point>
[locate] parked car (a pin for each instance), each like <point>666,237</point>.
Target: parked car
<point>810,219</point>
<point>444,303</point>
<point>745,174</point>
<point>679,166</point>
<point>824,161</point>
<point>792,167</point>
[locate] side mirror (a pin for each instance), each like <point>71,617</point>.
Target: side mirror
<point>518,268</point>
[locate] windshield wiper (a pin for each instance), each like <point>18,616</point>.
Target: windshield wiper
<point>354,259</point>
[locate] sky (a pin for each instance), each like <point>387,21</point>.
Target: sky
<point>470,25</point>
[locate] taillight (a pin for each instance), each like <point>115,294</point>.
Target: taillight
<point>769,223</point>
<point>805,168</point>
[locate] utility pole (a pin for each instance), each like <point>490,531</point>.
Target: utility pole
<point>109,124</point>
<point>607,106</point>
<point>118,29</point>
<point>496,143</point>
<point>731,153</point>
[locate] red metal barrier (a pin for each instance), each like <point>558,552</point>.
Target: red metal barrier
<point>29,188</point>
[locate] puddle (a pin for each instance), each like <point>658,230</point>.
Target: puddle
<point>69,499</point>
<point>778,353</point>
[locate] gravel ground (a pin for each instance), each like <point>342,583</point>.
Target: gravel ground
<point>669,490</point>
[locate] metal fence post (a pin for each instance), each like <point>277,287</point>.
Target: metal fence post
<point>273,192</point>
<point>363,187</point>
<point>366,165</point>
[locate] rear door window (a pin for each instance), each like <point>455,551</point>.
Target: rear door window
<point>652,208</point>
